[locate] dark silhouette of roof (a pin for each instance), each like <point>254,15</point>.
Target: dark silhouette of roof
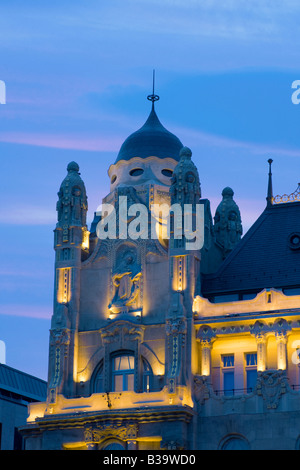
<point>152,139</point>
<point>268,256</point>
<point>20,383</point>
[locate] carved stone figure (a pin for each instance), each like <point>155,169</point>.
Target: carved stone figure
<point>72,200</point>
<point>185,184</point>
<point>125,280</point>
<point>228,225</point>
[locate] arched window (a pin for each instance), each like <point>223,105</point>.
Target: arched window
<point>123,373</point>
<point>234,442</point>
<point>113,445</point>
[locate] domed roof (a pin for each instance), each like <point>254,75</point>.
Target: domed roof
<point>72,180</point>
<point>152,139</point>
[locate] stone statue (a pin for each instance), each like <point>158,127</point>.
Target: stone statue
<point>125,279</point>
<point>228,225</point>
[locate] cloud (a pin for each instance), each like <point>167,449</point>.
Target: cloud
<point>92,144</point>
<point>22,214</point>
<point>198,138</point>
<point>21,310</point>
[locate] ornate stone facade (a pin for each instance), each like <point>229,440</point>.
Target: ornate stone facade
<point>155,346</point>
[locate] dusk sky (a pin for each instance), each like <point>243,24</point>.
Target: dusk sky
<point>77,75</point>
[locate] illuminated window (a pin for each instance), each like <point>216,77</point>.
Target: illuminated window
<point>251,371</point>
<point>228,374</point>
<point>123,373</point>
<point>228,361</point>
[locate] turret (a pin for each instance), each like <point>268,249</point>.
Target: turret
<point>71,245</point>
<point>187,218</point>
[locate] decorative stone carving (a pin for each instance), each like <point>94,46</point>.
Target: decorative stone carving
<point>72,200</point>
<point>176,329</point>
<point>97,434</point>
<point>125,278</point>
<point>185,184</point>
<point>206,334</point>
<point>175,326</point>
<point>271,384</point>
<point>172,445</point>
<point>228,225</point>
<point>201,389</point>
<point>59,337</point>
<point>121,333</point>
<point>206,337</point>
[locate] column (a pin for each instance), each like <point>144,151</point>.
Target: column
<point>281,351</point>
<point>206,346</point>
<point>261,352</point>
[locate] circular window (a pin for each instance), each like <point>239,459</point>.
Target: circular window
<point>136,172</point>
<point>167,172</point>
<point>294,241</point>
<point>113,179</point>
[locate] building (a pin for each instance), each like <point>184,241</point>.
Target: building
<point>17,390</point>
<point>154,345</point>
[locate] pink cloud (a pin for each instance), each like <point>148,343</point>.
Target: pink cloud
<point>111,144</point>
<point>32,311</point>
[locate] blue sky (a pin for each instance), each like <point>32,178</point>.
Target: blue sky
<point>77,75</point>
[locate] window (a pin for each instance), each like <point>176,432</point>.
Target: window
<point>228,374</point>
<point>123,373</point>
<point>136,172</point>
<point>251,371</point>
<point>99,380</point>
<point>167,172</point>
<point>147,376</point>
<point>113,445</point>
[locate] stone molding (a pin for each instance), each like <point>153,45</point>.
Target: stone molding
<point>100,433</point>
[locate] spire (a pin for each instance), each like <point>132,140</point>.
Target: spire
<point>72,199</point>
<point>153,97</point>
<point>270,186</point>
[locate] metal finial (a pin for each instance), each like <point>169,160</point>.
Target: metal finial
<point>270,184</point>
<point>153,97</point>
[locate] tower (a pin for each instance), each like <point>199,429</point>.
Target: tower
<point>186,212</point>
<point>71,244</point>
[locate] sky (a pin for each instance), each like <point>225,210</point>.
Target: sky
<point>77,75</point>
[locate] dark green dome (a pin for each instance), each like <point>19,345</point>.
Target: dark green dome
<point>152,139</point>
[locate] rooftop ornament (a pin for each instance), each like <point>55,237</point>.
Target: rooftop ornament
<point>294,197</point>
<point>153,97</point>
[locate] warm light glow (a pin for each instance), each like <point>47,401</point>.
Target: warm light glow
<point>281,355</point>
<point>124,400</point>
<point>205,364</point>
<point>85,239</point>
<point>161,230</point>
<point>179,273</point>
<point>63,285</point>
